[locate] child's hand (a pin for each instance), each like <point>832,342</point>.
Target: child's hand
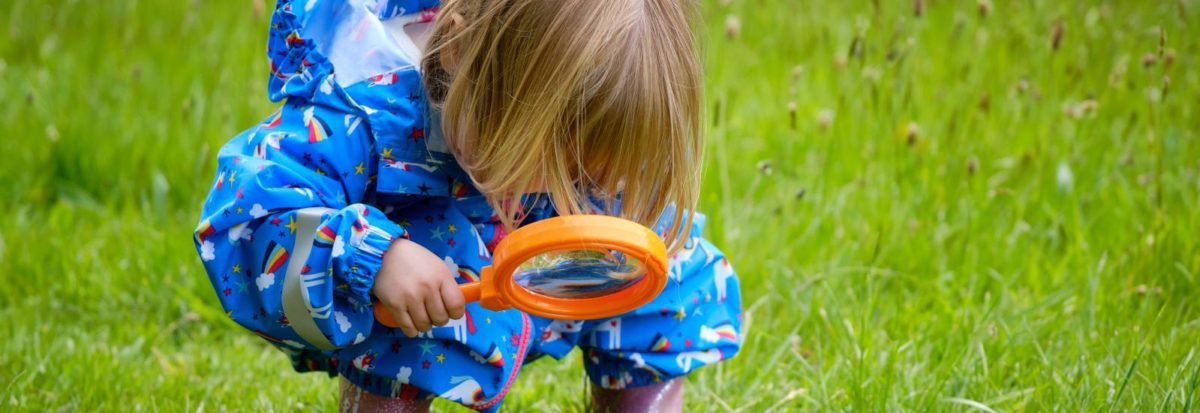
<point>417,288</point>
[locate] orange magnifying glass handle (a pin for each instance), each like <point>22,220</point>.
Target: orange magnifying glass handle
<point>470,292</point>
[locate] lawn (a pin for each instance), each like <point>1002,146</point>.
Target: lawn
<point>932,205</point>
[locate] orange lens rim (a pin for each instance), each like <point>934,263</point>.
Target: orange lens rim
<point>577,232</point>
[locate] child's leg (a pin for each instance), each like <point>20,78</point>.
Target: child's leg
<point>660,397</point>
<point>356,400</point>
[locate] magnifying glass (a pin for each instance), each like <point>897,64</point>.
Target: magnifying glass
<point>576,267</point>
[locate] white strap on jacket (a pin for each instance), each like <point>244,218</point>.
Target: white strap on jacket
<point>296,305</point>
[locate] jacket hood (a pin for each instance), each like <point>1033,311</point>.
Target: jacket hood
<point>312,39</point>
<point>341,54</point>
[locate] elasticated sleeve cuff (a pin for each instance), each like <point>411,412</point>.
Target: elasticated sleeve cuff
<point>368,237</point>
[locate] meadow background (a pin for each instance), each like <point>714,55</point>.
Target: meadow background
<point>933,205</point>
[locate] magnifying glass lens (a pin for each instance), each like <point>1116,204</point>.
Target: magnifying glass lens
<point>576,274</point>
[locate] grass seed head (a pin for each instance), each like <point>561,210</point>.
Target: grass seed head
<point>1155,94</point>
<point>1144,180</point>
<point>1168,58</point>
<point>52,133</point>
<point>972,166</point>
<point>918,8</point>
<point>764,166</point>
<point>872,74</point>
<point>733,26</point>
<point>985,6</point>
<point>985,102</point>
<point>1149,59</point>
<point>1162,40</point>
<point>960,20</point>
<point>1064,177</point>
<point>856,47</point>
<point>791,106</point>
<point>1081,109</point>
<point>824,118</point>
<point>1143,289</point>
<point>1056,35</point>
<point>912,132</point>
<point>1026,158</point>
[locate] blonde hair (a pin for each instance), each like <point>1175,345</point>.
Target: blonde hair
<point>580,99</point>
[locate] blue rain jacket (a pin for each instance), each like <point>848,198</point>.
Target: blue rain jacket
<point>305,204</point>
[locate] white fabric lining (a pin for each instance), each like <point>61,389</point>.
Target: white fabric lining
<point>403,30</point>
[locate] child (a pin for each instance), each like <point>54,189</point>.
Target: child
<point>392,170</point>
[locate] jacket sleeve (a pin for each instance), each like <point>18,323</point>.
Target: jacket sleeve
<point>285,237</point>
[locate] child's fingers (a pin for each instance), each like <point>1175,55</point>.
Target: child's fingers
<point>435,309</point>
<point>404,322</point>
<point>452,300</point>
<point>408,326</point>
<point>420,319</point>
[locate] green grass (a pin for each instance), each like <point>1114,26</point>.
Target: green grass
<point>1010,255</point>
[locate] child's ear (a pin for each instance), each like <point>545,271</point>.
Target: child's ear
<point>452,51</point>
